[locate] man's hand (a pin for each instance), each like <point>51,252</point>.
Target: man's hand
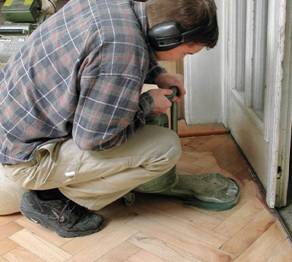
<point>166,80</point>
<point>160,102</point>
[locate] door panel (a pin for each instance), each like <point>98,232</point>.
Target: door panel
<point>247,130</point>
<point>254,48</point>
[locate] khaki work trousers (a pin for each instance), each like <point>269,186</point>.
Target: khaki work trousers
<point>92,179</point>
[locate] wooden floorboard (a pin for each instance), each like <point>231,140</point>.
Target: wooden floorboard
<point>160,229</point>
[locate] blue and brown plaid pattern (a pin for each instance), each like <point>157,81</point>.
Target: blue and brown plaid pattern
<point>79,74</point>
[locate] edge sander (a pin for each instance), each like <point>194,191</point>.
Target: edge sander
<point>211,191</point>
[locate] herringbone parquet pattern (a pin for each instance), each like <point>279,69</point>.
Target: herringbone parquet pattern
<point>160,229</point>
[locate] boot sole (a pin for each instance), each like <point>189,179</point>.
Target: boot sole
<point>212,206</point>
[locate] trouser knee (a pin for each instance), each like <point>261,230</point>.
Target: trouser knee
<point>167,153</point>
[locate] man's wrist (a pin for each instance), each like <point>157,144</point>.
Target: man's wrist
<point>154,73</point>
<point>146,103</point>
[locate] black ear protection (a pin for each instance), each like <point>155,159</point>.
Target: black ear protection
<point>168,35</point>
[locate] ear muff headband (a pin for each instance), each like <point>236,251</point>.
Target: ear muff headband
<point>168,35</point>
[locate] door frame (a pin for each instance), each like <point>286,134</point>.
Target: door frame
<point>274,81</point>
<point>286,114</point>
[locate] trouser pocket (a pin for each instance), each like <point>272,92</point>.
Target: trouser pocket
<point>35,174</point>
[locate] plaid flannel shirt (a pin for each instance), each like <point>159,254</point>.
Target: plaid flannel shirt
<point>78,75</point>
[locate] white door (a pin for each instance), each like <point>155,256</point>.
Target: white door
<point>253,51</point>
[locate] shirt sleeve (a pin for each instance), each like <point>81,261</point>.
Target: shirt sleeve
<point>110,107</point>
<point>109,111</point>
<point>154,70</point>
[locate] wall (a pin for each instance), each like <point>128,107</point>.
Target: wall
<point>203,102</point>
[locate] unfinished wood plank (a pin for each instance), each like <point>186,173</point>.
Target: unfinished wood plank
<point>186,213</point>
<point>282,252</point>
<point>104,244</point>
<point>9,229</point>
<point>196,248</point>
<point>21,255</point>
<point>192,163</point>
<point>120,253</point>
<point>262,249</point>
<point>249,233</point>
<point>199,233</point>
<point>224,150</point>
<point>159,248</point>
<point>180,228</point>
<point>239,219</point>
<point>6,245</point>
<point>185,130</point>
<point>39,246</point>
<point>42,232</point>
<point>143,256</point>
<point>7,219</point>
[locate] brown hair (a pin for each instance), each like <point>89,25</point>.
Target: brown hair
<point>189,14</point>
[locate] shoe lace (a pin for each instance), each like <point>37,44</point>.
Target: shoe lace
<point>69,208</point>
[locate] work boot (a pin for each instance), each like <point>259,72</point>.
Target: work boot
<point>62,215</point>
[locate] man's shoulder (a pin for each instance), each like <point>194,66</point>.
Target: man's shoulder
<point>116,17</point>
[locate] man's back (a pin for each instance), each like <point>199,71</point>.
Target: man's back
<point>40,86</point>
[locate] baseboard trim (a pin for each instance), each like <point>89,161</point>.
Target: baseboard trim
<point>185,130</point>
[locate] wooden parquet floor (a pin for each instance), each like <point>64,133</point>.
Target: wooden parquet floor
<point>159,229</point>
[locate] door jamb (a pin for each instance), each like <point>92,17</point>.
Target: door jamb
<point>286,115</point>
<point>274,78</point>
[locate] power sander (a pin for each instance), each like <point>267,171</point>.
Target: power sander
<point>211,191</point>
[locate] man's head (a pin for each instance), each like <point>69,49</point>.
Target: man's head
<point>181,27</point>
